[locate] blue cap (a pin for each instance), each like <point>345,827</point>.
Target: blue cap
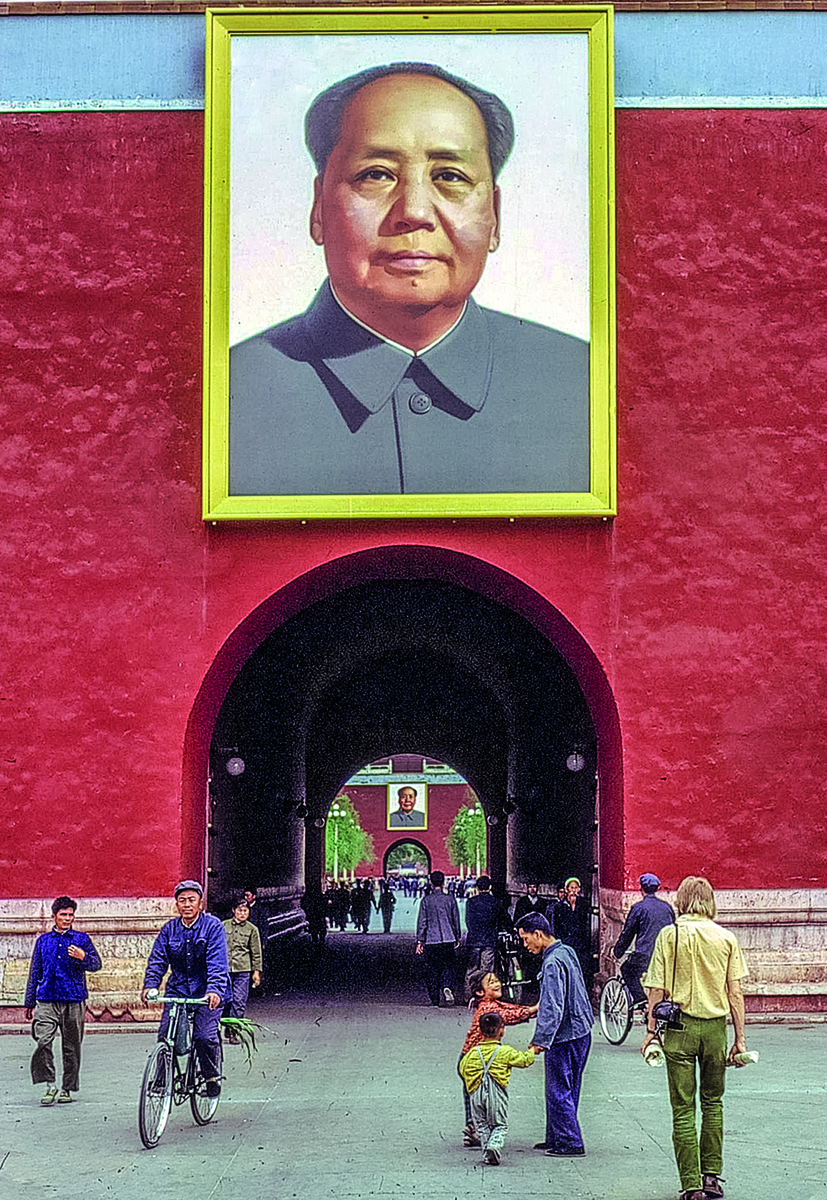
<point>649,882</point>
<point>188,885</point>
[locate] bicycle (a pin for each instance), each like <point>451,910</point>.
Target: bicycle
<point>616,1009</point>
<point>507,965</point>
<point>173,1075</point>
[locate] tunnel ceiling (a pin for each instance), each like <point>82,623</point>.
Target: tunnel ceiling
<point>393,666</point>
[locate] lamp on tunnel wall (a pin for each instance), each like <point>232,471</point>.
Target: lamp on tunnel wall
<point>301,811</point>
<point>235,765</point>
<point>576,761</point>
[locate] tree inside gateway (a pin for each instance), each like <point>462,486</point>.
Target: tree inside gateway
<point>347,845</point>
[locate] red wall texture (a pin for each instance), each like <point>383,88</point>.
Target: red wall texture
<point>704,601</point>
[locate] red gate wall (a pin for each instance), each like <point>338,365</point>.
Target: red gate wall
<point>704,600</point>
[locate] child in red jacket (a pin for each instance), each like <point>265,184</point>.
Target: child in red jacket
<point>487,991</point>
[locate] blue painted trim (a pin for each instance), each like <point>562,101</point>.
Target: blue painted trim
<point>663,60</point>
<point>102,62</point>
<point>736,59</point>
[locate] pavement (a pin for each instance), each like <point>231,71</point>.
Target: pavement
<point>353,1093</point>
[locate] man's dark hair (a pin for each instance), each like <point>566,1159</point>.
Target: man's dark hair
<point>534,922</point>
<point>64,902</point>
<point>483,883</point>
<point>437,878</point>
<point>323,122</point>
<point>490,1024</point>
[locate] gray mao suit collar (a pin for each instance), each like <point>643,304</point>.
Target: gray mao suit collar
<point>456,372</point>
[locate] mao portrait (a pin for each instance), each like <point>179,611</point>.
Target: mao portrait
<point>407,809</point>
<point>397,379</point>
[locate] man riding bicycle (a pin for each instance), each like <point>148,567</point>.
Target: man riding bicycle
<point>643,924</point>
<point>193,946</point>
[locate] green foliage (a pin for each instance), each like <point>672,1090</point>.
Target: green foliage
<point>346,844</point>
<point>467,838</point>
<point>245,1030</point>
<point>406,855</point>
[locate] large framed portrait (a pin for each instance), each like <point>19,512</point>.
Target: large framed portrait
<point>409,275</point>
<point>407,806</point>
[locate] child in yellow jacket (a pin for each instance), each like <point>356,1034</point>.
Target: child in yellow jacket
<point>486,1070</point>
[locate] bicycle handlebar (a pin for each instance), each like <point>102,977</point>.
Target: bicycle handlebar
<point>153,994</point>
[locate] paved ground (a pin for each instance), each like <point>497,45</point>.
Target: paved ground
<point>354,1094</point>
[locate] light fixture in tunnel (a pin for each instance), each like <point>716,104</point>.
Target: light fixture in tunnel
<point>235,765</point>
<point>301,811</point>
<point>576,761</point>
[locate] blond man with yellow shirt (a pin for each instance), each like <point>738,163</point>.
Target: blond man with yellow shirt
<point>698,964</point>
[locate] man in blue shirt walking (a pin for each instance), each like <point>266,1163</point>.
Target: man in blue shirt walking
<point>193,946</point>
<point>55,999</point>
<point>563,1033</point>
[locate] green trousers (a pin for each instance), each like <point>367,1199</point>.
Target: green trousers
<point>696,1063</point>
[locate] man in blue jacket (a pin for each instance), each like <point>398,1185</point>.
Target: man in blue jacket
<point>643,924</point>
<point>55,999</point>
<point>193,947</point>
<point>563,1033</point>
<point>484,918</point>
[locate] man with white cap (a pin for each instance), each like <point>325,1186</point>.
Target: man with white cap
<point>643,924</point>
<point>193,947</point>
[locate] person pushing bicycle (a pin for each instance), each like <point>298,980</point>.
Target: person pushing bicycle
<point>193,947</point>
<point>643,924</point>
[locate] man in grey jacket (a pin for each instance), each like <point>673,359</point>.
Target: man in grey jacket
<point>437,937</point>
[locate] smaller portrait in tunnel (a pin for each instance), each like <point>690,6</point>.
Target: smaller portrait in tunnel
<point>408,279</point>
<point>407,806</point>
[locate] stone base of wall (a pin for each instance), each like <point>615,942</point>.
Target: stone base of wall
<point>783,935</point>
<point>123,931</point>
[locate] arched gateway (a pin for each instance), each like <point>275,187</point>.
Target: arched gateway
<point>403,646</point>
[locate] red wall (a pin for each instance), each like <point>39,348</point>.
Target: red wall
<point>704,600</point>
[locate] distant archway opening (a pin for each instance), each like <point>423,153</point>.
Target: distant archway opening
<point>406,859</point>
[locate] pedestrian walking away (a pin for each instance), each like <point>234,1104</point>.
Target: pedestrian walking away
<point>193,947</point>
<point>562,1033</point>
<point>484,918</point>
<point>55,1000</point>
<point>437,937</point>
<point>699,965</point>
<point>486,1071</point>
<point>386,905</point>
<point>245,959</point>
<point>642,926</point>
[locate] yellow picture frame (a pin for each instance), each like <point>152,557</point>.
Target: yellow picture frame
<point>411,815</point>
<point>228,38</point>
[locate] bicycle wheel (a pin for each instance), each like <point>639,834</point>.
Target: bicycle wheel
<point>203,1106</point>
<point>156,1096</point>
<point>615,1011</point>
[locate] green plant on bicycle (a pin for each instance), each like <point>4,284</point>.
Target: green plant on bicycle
<point>173,1075</point>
